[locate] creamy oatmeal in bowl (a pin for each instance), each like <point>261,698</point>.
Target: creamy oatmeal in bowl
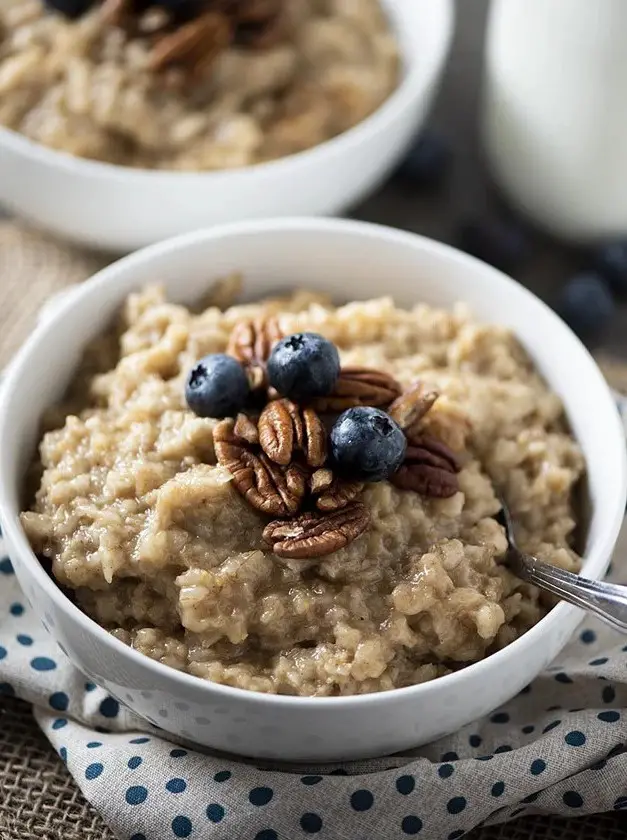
<point>221,574</point>
<point>200,85</point>
<point>231,536</point>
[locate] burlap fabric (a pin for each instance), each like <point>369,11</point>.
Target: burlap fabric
<point>38,798</point>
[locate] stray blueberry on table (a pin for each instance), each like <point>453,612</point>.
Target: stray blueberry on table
<point>587,305</point>
<point>303,366</point>
<point>501,244</point>
<point>366,444</point>
<point>70,8</point>
<point>217,386</point>
<point>427,162</point>
<point>610,261</point>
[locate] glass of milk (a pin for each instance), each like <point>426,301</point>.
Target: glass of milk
<point>554,115</point>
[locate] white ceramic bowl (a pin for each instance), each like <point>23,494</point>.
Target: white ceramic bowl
<point>353,260</point>
<point>121,209</point>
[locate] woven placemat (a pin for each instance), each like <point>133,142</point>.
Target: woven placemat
<point>38,798</point>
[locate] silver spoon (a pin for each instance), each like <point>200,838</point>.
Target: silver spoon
<point>606,600</point>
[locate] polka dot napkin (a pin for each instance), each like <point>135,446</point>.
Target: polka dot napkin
<point>559,747</point>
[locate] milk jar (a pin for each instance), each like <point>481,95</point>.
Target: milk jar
<point>554,115</point>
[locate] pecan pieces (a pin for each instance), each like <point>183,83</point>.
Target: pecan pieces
<point>359,386</point>
<point>251,343</point>
<point>331,491</point>
<point>412,405</point>
<point>316,534</point>
<point>430,468</point>
<point>194,45</point>
<point>269,487</point>
<point>286,429</point>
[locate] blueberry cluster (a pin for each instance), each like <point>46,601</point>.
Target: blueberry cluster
<point>180,8</point>
<point>365,443</point>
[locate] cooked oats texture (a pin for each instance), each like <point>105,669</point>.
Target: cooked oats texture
<point>162,551</point>
<point>86,88</point>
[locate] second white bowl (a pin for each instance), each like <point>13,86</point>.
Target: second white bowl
<point>121,209</point>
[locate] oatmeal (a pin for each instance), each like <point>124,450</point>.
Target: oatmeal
<point>157,536</point>
<point>246,82</point>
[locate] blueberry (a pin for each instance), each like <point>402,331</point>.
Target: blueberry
<point>501,244</point>
<point>366,444</point>
<point>427,161</point>
<point>303,365</point>
<point>610,261</point>
<point>587,305</point>
<point>70,8</point>
<point>216,387</point>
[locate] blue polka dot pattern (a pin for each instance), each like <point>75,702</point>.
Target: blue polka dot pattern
<point>89,686</point>
<point>538,766</point>
<point>609,717</point>
<point>505,748</point>
<point>138,837</point>
<point>5,566</point>
<point>405,784</point>
<point>59,701</point>
<point>498,788</point>
<point>134,762</point>
<point>177,753</point>
<point>500,717</point>
<point>136,794</point>
<point>528,729</point>
<point>456,805</point>
<point>260,796</point>
<point>26,641</point>
<point>43,663</point>
<point>93,744</point>
<point>588,637</point>
<point>109,707</point>
<point>411,824</point>
<point>176,785</point>
<point>3,652</point>
<point>92,771</point>
<point>608,694</point>
<point>59,723</point>
<point>445,771</point>
<point>140,741</point>
<point>450,756</point>
<point>181,826</point>
<point>563,678</point>
<point>362,800</point>
<point>309,780</point>
<point>63,754</point>
<point>16,609</point>
<point>215,812</point>
<point>600,661</point>
<point>575,739</point>
<point>474,741</point>
<point>267,834</point>
<point>572,799</point>
<point>7,689</point>
<point>222,776</point>
<point>550,726</point>
<point>311,823</point>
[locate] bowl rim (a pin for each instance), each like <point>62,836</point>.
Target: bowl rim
<point>413,85</point>
<point>109,275</point>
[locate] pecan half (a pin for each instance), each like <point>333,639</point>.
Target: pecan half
<point>251,342</point>
<point>412,405</point>
<point>334,494</point>
<point>193,45</point>
<point>266,486</point>
<point>430,468</point>
<point>359,386</point>
<point>314,534</point>
<point>285,429</point>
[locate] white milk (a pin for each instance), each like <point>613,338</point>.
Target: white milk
<point>555,112</point>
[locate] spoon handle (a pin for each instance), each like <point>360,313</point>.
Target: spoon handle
<point>606,600</point>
